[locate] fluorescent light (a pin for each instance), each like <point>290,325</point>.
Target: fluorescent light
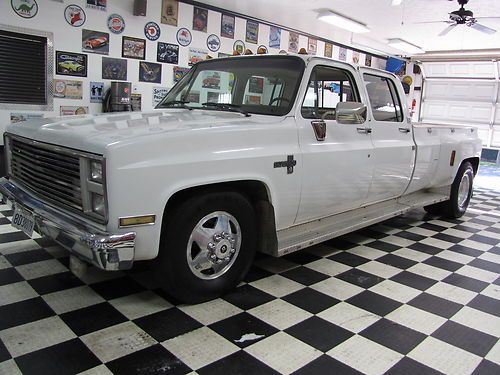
<point>396,2</point>
<point>343,22</point>
<point>404,46</point>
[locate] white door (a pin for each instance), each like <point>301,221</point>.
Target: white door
<point>337,170</point>
<point>393,147</point>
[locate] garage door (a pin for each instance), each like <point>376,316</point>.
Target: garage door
<point>463,93</point>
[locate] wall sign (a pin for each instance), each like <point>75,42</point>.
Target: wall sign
<point>133,48</point>
<point>149,72</point>
<point>116,23</point>
<point>184,37</point>
<point>196,55</point>
<point>239,46</point>
<point>25,8</point>
<point>179,72</point>
<point>293,42</point>
<point>152,31</point>
<point>97,4</point>
<point>96,91</point>
<point>158,94</point>
<point>71,64</point>
<point>95,42</point>
<point>169,12</point>
<point>114,68</point>
<point>75,15</point>
<point>227,26</point>
<point>252,32</point>
<point>200,19</point>
<point>274,37</point>
<point>213,42</point>
<point>16,117</point>
<point>68,89</point>
<point>73,110</point>
<point>167,53</point>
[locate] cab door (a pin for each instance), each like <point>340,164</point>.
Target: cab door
<point>337,163</point>
<point>393,145</point>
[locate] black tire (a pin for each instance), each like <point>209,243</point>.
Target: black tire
<point>173,268</point>
<point>459,200</point>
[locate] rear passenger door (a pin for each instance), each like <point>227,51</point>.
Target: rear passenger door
<point>391,134</point>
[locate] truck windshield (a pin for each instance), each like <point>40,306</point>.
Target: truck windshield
<point>253,84</point>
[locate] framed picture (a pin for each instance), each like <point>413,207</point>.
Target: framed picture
<point>256,85</point>
<point>97,4</point>
<point>328,50</point>
<point>227,26</point>
<point>167,53</point>
<point>96,92</point>
<point>71,64</point>
<point>293,42</point>
<point>312,46</point>
<point>169,12</point>
<point>133,48</point>
<point>136,101</point>
<point>114,69</point>
<point>274,37</point>
<point>368,60</point>
<point>200,19</point>
<point>149,72</point>
<point>197,55</point>
<point>68,89</point>
<point>179,72</point>
<point>95,42</point>
<point>252,32</point>
<point>73,110</point>
<point>342,54</point>
<point>355,57</point>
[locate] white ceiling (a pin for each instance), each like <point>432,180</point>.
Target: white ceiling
<point>384,20</point>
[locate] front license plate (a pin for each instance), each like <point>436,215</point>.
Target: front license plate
<point>23,220</point>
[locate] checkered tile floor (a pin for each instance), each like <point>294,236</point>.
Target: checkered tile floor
<point>412,295</point>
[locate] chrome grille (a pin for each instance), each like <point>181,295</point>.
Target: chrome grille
<point>51,172</point>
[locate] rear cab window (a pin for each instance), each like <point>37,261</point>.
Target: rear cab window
<point>384,99</point>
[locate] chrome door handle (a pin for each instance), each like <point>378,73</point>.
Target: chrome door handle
<point>404,130</point>
<point>364,130</point>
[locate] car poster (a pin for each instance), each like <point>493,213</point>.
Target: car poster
<point>25,8</point>
<point>169,12</point>
<point>167,53</point>
<point>133,48</point>
<point>179,72</point>
<point>355,57</point>
<point>211,80</point>
<point>368,60</point>
<point>95,42</point>
<point>197,55</point>
<point>68,89</point>
<point>159,93</point>
<point>149,72</point>
<point>274,37</point>
<point>114,68</point>
<point>342,54</point>
<point>312,46</point>
<point>293,42</point>
<point>252,32</point>
<point>96,92</point>
<point>16,117</point>
<point>227,26</point>
<point>328,49</point>
<point>73,110</point>
<point>200,19</point>
<point>71,64</point>
<point>136,101</point>
<point>256,85</point>
<point>97,4</point>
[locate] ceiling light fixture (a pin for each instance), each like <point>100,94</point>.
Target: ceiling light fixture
<point>404,46</point>
<point>395,3</point>
<point>343,22</point>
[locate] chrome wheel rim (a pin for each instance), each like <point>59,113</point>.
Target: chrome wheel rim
<point>463,190</point>
<point>214,245</point>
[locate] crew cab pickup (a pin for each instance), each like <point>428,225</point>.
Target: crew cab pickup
<point>289,151</point>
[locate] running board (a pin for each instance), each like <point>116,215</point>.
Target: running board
<point>313,232</point>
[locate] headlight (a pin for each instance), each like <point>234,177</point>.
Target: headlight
<point>96,171</point>
<point>98,204</point>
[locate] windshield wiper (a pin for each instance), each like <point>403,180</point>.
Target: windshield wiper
<point>176,103</point>
<point>227,107</point>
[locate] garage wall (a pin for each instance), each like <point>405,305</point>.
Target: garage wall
<point>50,18</point>
<point>464,93</point>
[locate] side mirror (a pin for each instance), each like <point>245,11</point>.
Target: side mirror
<point>351,113</point>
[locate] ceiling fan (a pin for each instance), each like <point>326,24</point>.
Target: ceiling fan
<point>465,17</point>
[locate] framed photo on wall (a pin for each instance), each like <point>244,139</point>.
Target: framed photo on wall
<point>252,33</point>
<point>200,19</point>
<point>71,64</point>
<point>227,26</point>
<point>133,48</point>
<point>169,12</point>
<point>114,68</point>
<point>167,53</point>
<point>149,72</point>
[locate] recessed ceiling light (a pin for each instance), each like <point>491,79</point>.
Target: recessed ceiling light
<point>343,22</point>
<point>404,46</point>
<point>395,3</point>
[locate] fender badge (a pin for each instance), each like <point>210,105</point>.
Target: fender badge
<point>288,164</point>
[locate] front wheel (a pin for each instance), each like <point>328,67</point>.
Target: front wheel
<point>207,246</point>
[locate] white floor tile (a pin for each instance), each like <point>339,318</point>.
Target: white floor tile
<point>280,314</point>
<point>417,256</point>
<point>457,233</point>
<point>379,269</point>
<point>211,311</point>
<point>337,288</point>
<point>140,304</point>
<point>416,319</point>
<point>16,292</point>
<point>475,245</point>
<point>277,285</point>
<point>72,299</point>
<point>9,368</point>
<point>398,241</point>
<point>395,291</point>
<point>15,247</point>
<point>455,257</point>
<point>477,273</point>
<point>494,354</point>
<point>479,320</point>
<point>349,317</point>
<point>38,269</point>
<point>4,263</point>
<point>437,243</point>
<point>495,258</point>
<point>99,370</point>
<point>367,252</point>
<point>492,291</point>
<point>431,272</point>
<point>328,267</point>
<point>451,293</point>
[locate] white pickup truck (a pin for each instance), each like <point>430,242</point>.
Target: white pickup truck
<point>277,154</point>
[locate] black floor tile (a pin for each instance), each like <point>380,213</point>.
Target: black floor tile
<point>319,333</point>
<point>434,227</point>
<point>484,239</point>
<point>466,228</point>
<point>311,300</point>
<point>247,297</point>
<point>44,242</point>
<point>396,261</point>
<point>465,282</point>
<point>116,288</point>
<point>444,264</point>
<point>30,256</point>
<point>384,246</point>
<point>305,276</point>
<point>4,221</point>
<point>486,265</point>
<point>55,282</point>
<point>9,276</point>
<point>435,305</point>
<point>480,222</point>
<point>368,232</point>
<point>326,365</point>
<point>239,363</point>
<point>19,313</point>
<point>301,257</point>
<point>408,366</point>
<point>360,278</point>
<point>4,353</point>
<point>413,280</point>
<point>448,238</point>
<point>487,368</point>
<point>466,250</point>
<point>92,318</point>
<point>424,248</point>
<point>394,336</point>
<point>256,273</point>
<point>494,250</point>
<point>69,357</point>
<point>352,260</point>
<point>465,338</point>
<point>167,324</point>
<point>12,236</point>
<point>235,327</point>
<point>341,243</point>
<point>153,360</point>
<point>486,304</point>
<point>375,303</point>
<point>410,236</point>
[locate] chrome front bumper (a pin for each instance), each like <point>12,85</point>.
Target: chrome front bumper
<point>104,250</point>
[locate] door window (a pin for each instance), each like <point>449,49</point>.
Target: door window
<point>327,87</point>
<point>384,98</point>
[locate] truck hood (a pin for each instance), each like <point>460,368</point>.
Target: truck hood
<point>94,133</point>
